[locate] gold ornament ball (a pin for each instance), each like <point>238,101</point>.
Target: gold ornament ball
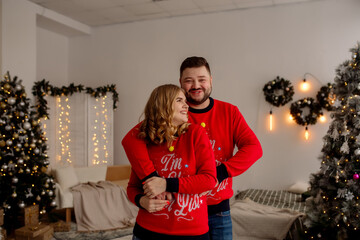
<point>15,135</point>
<point>44,169</point>
<point>32,145</point>
<point>34,123</point>
<point>7,86</point>
<point>3,105</point>
<point>2,143</point>
<point>26,145</point>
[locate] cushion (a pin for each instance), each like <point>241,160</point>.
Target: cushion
<point>91,174</point>
<point>66,177</point>
<point>299,187</point>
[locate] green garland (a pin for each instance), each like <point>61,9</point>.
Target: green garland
<point>278,92</point>
<point>323,96</point>
<point>42,88</point>
<point>297,112</point>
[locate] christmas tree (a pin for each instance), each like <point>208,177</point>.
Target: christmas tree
<point>23,161</point>
<point>334,207</point>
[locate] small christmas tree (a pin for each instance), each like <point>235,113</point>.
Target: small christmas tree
<point>334,209</point>
<point>23,161</point>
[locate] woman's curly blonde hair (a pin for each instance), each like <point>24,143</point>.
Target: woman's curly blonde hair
<point>157,125</point>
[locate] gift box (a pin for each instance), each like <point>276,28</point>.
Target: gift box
<point>1,216</point>
<point>35,232</point>
<point>61,226</point>
<point>31,215</point>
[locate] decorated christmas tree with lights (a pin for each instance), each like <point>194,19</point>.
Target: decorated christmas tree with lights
<point>23,161</point>
<point>334,207</point>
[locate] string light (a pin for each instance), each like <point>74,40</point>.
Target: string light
<point>99,139</point>
<point>64,131</point>
<point>306,133</point>
<point>271,121</point>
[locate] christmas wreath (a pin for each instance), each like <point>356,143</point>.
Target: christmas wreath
<point>42,88</point>
<point>297,111</point>
<point>278,92</point>
<point>325,95</point>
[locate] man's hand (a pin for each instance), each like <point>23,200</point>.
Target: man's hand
<point>154,186</point>
<point>153,205</point>
<point>206,193</point>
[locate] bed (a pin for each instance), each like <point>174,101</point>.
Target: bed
<point>267,214</point>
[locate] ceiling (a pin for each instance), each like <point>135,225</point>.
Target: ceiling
<point>96,13</point>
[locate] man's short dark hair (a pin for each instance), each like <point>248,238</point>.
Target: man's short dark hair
<point>194,62</point>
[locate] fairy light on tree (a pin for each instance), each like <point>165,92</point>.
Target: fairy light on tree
<point>23,160</point>
<point>333,209</point>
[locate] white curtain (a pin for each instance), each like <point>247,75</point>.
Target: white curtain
<point>80,130</point>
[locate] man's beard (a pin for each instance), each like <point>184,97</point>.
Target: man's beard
<point>198,102</point>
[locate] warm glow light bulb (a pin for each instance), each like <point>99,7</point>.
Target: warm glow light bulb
<point>322,118</point>
<point>306,133</point>
<point>305,85</point>
<point>271,121</point>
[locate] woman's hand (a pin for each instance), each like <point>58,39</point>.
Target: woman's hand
<point>165,196</point>
<point>153,205</point>
<point>154,186</point>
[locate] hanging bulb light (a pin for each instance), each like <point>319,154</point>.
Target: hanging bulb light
<point>322,118</point>
<point>271,121</point>
<point>306,133</point>
<point>305,85</point>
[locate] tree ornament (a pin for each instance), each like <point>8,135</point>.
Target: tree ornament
<point>11,101</point>
<point>9,142</point>
<point>356,176</point>
<point>21,205</point>
<point>26,125</point>
<point>2,143</point>
<point>7,86</point>
<point>15,180</point>
<point>38,198</point>
<point>18,87</point>
<point>3,105</point>
<point>14,195</point>
<point>8,127</point>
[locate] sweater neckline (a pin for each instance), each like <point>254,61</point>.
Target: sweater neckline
<point>203,110</point>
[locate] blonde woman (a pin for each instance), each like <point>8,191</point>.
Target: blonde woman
<point>185,167</point>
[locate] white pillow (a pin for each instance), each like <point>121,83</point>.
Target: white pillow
<point>299,187</point>
<point>91,174</point>
<point>66,177</point>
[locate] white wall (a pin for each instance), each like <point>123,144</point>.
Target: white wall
<point>245,48</point>
<point>19,41</point>
<point>52,57</point>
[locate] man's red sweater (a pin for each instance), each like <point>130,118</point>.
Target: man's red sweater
<point>191,166</point>
<point>226,128</point>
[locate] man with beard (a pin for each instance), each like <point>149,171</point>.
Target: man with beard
<point>226,128</point>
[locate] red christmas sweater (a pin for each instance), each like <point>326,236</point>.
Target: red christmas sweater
<point>191,168</point>
<point>226,128</point>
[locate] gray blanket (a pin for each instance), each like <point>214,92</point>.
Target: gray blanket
<point>102,206</point>
<point>253,221</point>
